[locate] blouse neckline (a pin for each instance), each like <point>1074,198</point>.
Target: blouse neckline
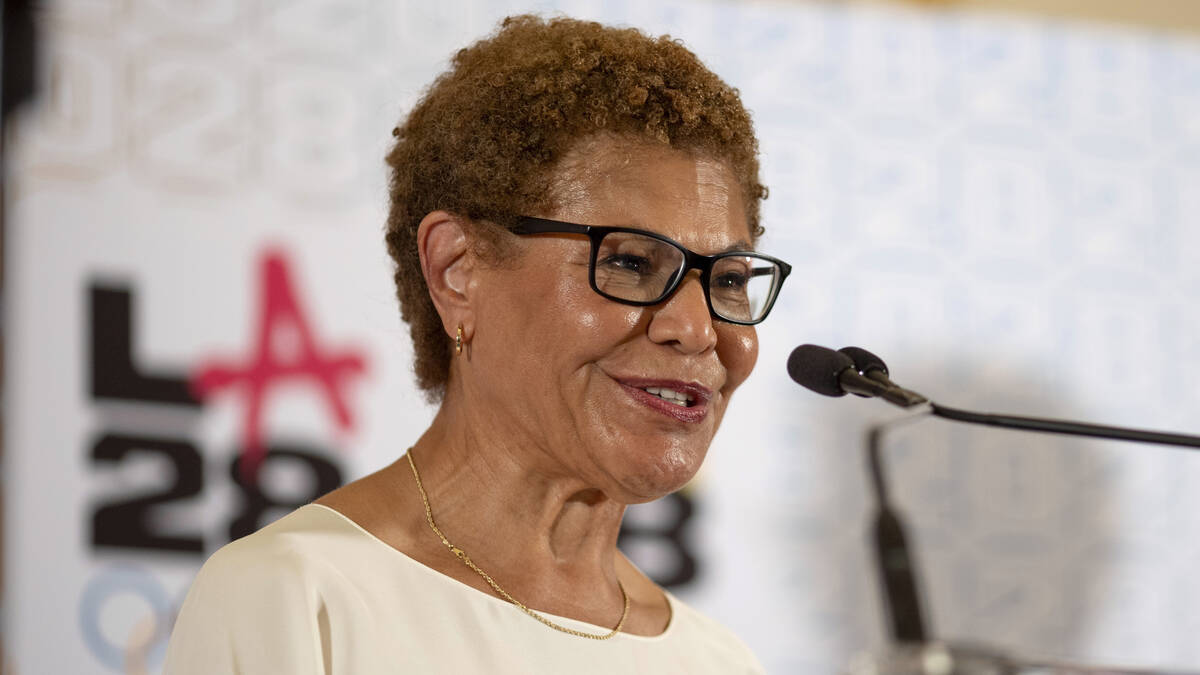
<point>475,592</point>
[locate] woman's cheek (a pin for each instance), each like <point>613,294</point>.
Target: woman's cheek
<point>737,347</point>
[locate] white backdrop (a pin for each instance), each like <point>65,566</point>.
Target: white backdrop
<point>1001,207</point>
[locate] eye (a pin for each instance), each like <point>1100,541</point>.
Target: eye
<point>731,275</point>
<point>731,281</point>
<point>628,262</point>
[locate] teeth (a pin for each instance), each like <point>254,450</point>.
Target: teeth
<point>677,397</point>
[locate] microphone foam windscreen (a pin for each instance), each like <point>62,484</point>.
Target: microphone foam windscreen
<point>817,368</point>
<point>864,360</point>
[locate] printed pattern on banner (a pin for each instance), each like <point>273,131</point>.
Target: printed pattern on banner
<point>202,333</point>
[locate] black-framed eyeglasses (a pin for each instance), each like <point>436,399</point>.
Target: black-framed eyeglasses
<point>641,268</point>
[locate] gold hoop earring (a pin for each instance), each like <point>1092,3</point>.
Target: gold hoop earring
<point>458,341</point>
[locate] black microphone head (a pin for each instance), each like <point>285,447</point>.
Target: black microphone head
<point>817,368</point>
<point>864,360</point>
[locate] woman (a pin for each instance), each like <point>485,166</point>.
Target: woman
<point>571,207</point>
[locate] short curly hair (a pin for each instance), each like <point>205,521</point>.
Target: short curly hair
<point>487,137</point>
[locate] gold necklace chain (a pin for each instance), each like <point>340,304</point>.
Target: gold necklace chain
<point>462,555</point>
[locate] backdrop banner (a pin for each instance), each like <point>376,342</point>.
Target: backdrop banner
<point>1002,208</point>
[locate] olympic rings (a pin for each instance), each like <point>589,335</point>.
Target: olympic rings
<point>147,640</point>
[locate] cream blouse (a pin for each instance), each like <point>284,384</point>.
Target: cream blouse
<point>314,593</point>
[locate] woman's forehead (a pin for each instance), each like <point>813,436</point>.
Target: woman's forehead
<point>687,196</point>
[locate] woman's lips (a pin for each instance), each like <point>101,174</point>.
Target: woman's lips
<point>695,411</point>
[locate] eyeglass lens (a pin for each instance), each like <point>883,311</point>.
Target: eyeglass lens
<point>635,267</point>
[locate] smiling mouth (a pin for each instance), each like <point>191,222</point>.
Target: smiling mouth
<point>679,398</point>
<point>687,402</point>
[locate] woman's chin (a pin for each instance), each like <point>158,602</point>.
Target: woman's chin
<point>644,482</point>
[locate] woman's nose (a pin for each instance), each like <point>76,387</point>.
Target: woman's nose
<point>684,320</point>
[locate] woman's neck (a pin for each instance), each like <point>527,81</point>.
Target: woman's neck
<point>547,539</point>
<point>503,500</point>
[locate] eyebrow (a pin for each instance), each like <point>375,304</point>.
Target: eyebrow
<point>741,245</point>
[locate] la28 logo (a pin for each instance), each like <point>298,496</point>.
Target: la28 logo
<point>148,417</point>
<point>138,520</point>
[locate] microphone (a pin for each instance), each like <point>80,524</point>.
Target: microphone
<point>873,367</point>
<point>868,364</point>
<point>832,373</point>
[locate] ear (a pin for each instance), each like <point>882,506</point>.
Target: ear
<point>449,268</point>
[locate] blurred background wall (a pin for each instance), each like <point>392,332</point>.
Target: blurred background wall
<point>997,197</point>
<point>1159,14</point>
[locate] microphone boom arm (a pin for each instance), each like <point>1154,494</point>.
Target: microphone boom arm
<point>1064,427</point>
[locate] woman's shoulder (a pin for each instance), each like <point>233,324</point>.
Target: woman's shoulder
<point>256,603</point>
<point>309,535</point>
<point>313,549</point>
<point>705,635</point>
